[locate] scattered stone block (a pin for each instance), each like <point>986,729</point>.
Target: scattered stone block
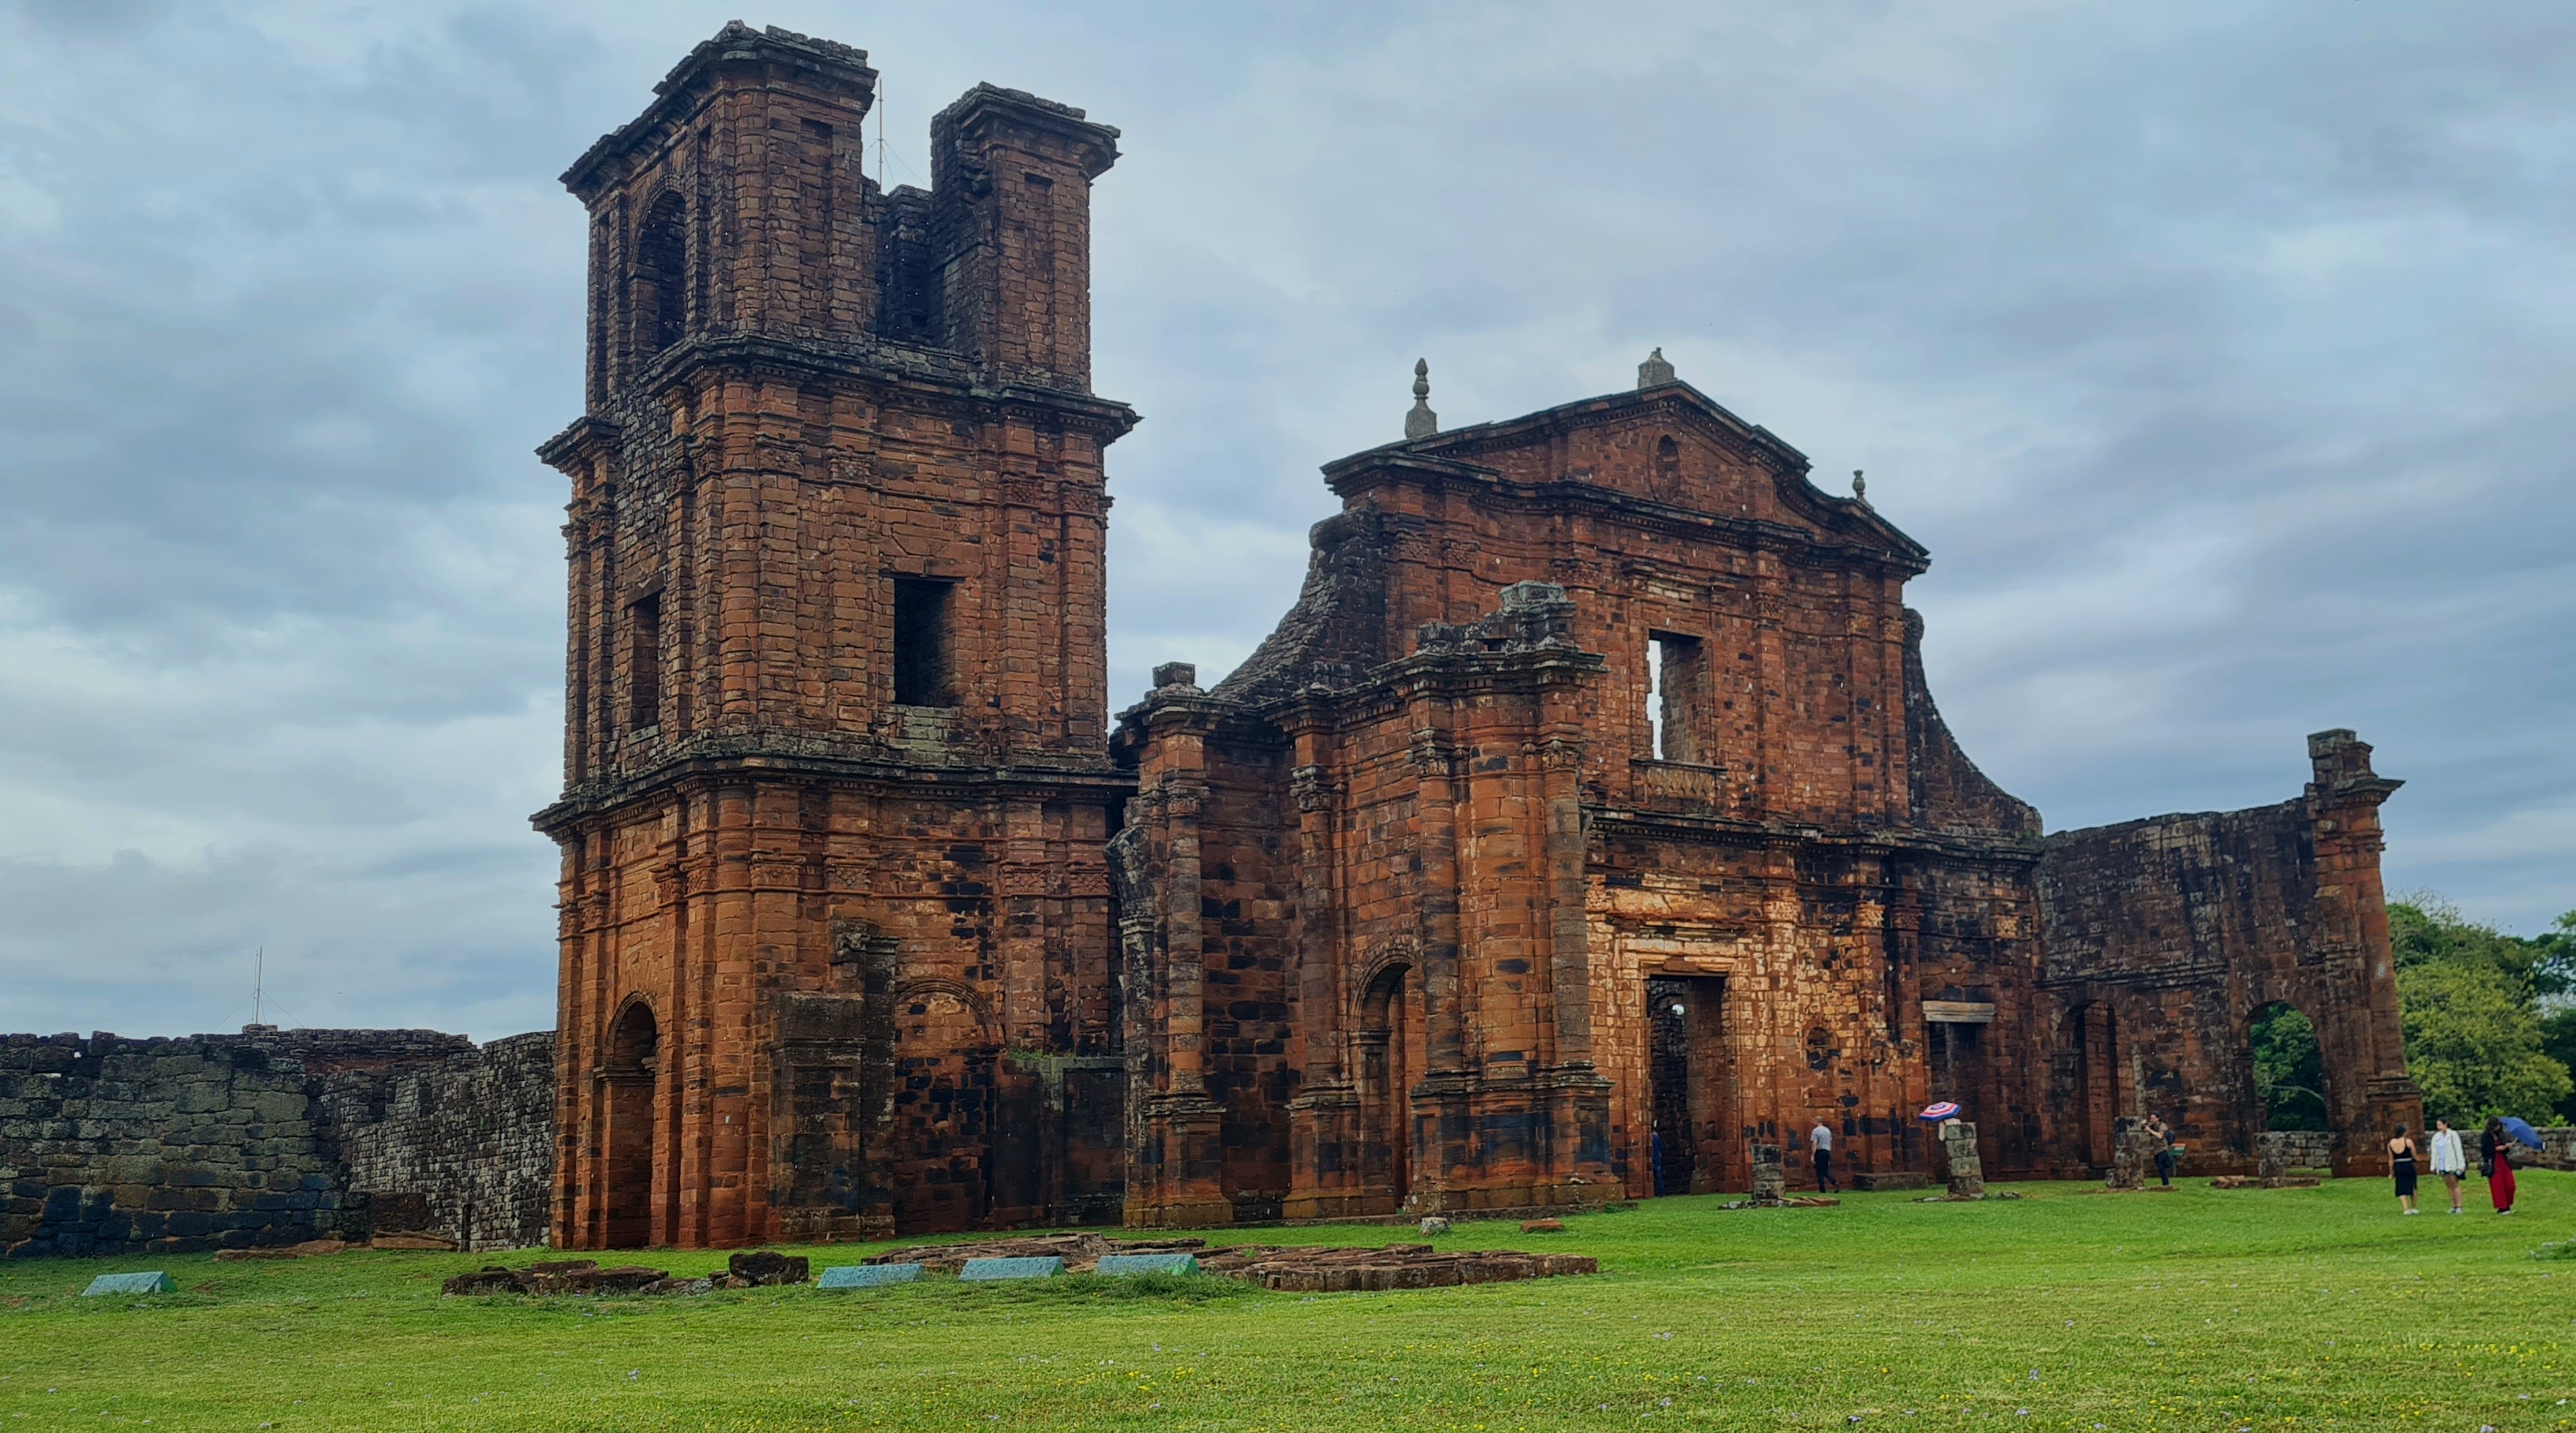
<point>994,1270</point>
<point>1769,1183</point>
<point>1147,1264</point>
<point>310,1248</point>
<point>153,1282</point>
<point>1543,1226</point>
<point>1434,1224</point>
<point>1966,1168</point>
<point>867,1276</point>
<point>561,1276</point>
<point>412,1241</point>
<point>762,1269</point>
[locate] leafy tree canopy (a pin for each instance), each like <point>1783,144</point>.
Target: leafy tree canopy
<point>2474,999</point>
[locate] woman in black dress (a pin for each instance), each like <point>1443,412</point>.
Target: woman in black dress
<point>2402,1161</point>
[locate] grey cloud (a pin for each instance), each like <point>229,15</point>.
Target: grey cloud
<point>2217,353</point>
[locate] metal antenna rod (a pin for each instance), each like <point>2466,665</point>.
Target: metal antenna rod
<point>258,985</point>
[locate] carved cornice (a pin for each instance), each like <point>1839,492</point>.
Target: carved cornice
<point>790,757</point>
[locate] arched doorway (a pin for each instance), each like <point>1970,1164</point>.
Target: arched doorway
<point>626,1196</point>
<point>2289,1084</point>
<point>1390,1060</point>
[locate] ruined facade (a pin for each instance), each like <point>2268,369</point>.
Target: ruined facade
<point>1586,822</point>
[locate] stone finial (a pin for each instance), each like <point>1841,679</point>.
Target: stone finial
<point>1421,422</point>
<point>1860,487</point>
<point>1654,372</point>
<point>1176,674</point>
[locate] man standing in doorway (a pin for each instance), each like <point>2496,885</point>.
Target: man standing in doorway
<point>1821,1140</point>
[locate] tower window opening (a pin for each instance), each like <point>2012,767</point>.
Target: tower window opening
<point>923,662</point>
<point>644,657</point>
<point>1675,696</point>
<point>661,275</point>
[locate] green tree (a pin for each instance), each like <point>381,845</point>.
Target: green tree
<point>2289,1070</point>
<point>2425,929</point>
<point>2558,1042</point>
<point>2473,1042</point>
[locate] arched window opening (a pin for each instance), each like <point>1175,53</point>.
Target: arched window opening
<point>1668,469</point>
<point>2289,1069</point>
<point>661,295</point>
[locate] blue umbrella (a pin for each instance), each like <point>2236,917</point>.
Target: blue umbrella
<point>2522,1132</point>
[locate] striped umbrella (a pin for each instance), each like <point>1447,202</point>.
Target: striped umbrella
<point>1943,1111</point>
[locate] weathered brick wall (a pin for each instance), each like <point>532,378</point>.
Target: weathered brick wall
<point>110,1145</point>
<point>2166,937</point>
<point>471,1138</point>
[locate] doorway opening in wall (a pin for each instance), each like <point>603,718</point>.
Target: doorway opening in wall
<point>923,643</point>
<point>1390,1056</point>
<point>1676,683</point>
<point>2097,1080</point>
<point>2289,1069</point>
<point>626,1193</point>
<point>1693,1145</point>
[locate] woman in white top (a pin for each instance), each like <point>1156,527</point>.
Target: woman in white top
<point>2449,1160</point>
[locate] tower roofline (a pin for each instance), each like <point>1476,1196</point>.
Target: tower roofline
<point>827,67</point>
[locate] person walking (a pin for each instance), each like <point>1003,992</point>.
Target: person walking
<point>2449,1161</point>
<point>1821,1140</point>
<point>2163,1134</point>
<point>2495,1156</point>
<point>2401,1163</point>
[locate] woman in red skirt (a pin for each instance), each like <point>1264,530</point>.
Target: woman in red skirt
<point>2495,1147</point>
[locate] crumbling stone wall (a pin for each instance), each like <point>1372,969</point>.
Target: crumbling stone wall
<point>2166,937</point>
<point>470,1139</point>
<point>111,1146</point>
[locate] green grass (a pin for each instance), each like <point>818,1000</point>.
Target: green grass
<point>2197,1310</point>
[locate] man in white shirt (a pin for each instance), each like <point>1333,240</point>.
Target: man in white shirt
<point>1821,1140</point>
<point>2449,1160</point>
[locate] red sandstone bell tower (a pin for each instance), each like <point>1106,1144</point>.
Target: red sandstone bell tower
<point>836,948</point>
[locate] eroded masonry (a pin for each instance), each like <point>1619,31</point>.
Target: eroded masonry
<point>1585,822</point>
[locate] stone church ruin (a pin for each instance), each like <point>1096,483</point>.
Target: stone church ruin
<point>1588,808</point>
<point>1585,823</point>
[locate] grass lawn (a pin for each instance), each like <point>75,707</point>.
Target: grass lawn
<point>2200,1309</point>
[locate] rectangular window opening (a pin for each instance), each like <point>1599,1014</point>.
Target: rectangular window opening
<point>922,643</point>
<point>1676,688</point>
<point>644,659</point>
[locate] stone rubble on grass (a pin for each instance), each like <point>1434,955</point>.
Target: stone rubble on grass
<point>1301,1269</point>
<point>1304,1269</point>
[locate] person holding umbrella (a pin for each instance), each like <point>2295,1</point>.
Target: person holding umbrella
<point>2495,1146</point>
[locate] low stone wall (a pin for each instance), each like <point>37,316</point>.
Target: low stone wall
<point>269,1137</point>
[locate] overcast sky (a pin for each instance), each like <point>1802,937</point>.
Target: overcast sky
<point>2222,353</point>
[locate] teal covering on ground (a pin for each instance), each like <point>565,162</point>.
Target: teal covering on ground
<point>868,1276</point>
<point>982,1269</point>
<point>154,1282</point>
<point>1148,1264</point>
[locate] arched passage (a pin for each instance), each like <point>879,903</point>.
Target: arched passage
<point>627,1072</point>
<point>1391,1058</point>
<point>2289,1085</point>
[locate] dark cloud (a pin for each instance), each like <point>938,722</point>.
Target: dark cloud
<point>2218,354</point>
